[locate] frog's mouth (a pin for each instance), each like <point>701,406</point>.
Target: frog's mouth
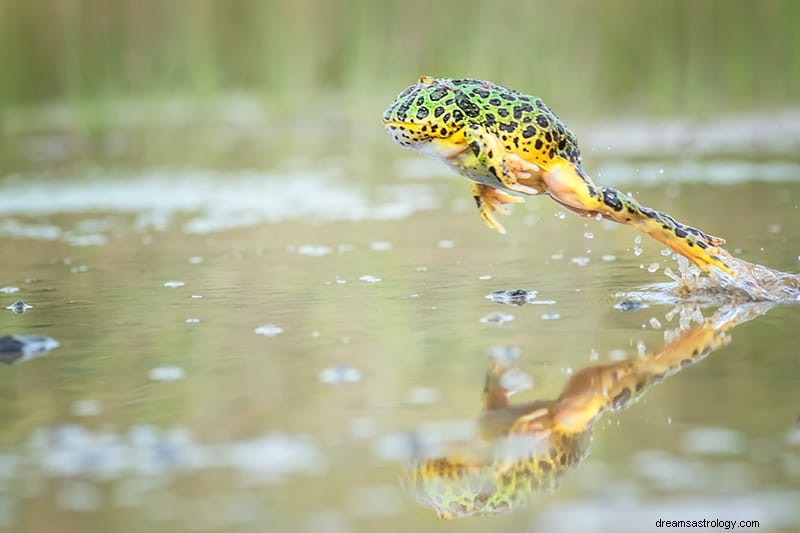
<point>417,137</point>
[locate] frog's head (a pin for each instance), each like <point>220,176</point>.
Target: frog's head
<point>433,109</point>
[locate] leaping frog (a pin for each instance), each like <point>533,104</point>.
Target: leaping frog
<point>508,142</point>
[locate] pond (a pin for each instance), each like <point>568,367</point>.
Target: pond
<point>271,349</point>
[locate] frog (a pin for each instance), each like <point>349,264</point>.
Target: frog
<point>509,144</point>
<point>520,450</point>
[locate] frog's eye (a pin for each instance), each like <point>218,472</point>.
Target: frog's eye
<point>425,79</point>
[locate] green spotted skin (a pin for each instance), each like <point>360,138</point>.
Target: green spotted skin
<point>440,108</point>
<point>466,122</point>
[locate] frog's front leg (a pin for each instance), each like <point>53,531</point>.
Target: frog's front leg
<point>491,200</point>
<point>567,185</point>
<point>492,156</point>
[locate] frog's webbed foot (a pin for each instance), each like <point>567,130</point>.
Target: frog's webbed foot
<point>491,201</point>
<point>508,168</point>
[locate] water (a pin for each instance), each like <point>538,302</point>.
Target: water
<point>332,315</point>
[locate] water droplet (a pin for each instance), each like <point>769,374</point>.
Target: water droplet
<point>269,330</point>
<point>558,256</point>
<point>637,251</point>
<point>580,261</point>
<point>609,258</point>
<point>12,290</point>
<point>504,354</point>
<point>196,296</point>
<point>422,396</point>
<point>79,269</point>
<point>774,229</point>
<point>340,374</point>
<point>485,278</point>
<point>370,278</point>
<point>551,316</point>
<point>340,281</point>
<point>660,170</point>
<point>617,355</point>
<point>86,408</point>
<point>598,217</point>
<point>516,380</point>
<point>313,250</point>
<point>561,214</point>
<point>641,349</point>
<point>593,355</point>
<point>413,296</point>
<point>167,373</point>
<point>446,244</point>
<point>497,318</point>
<point>654,323</point>
<point>379,246</point>
<point>665,252</point>
<point>637,239</point>
<point>195,260</point>
<point>422,269</point>
<point>653,267</point>
<point>589,235</point>
<point>174,284</point>
<point>192,320</point>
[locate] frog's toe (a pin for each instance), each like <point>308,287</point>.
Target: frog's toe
<point>488,218</point>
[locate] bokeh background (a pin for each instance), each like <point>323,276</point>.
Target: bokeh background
<point>88,67</point>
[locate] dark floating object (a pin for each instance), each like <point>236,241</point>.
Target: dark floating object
<point>512,297</point>
<point>14,348</point>
<point>629,305</point>
<point>19,307</point>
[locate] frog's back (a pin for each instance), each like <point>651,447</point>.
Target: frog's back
<point>523,123</point>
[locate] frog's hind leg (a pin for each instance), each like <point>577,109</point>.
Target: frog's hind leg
<point>568,186</point>
<point>490,201</point>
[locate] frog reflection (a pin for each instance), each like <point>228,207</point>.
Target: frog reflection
<point>519,450</point>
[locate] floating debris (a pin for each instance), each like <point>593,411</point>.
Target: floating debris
<point>9,290</point>
<point>497,318</point>
<point>340,374</point>
<point>512,296</point>
<point>15,348</point>
<point>174,284</point>
<point>629,305</point>
<point>167,373</point>
<point>370,278</point>
<point>19,307</point>
<point>269,330</point>
<point>551,316</point>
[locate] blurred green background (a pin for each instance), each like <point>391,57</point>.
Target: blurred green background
<point>597,57</point>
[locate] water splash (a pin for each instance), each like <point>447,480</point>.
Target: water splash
<point>750,282</point>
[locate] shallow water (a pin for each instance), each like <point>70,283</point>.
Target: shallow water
<point>243,351</point>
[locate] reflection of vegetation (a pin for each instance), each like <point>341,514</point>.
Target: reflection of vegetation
<point>525,448</point>
<point>657,55</point>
